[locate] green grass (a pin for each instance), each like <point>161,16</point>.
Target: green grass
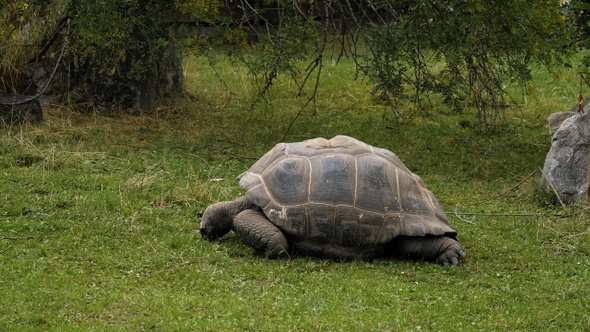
<point>99,219</point>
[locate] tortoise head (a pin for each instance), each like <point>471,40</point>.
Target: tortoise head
<point>217,221</point>
<point>218,218</point>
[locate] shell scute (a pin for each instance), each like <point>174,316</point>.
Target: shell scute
<point>376,184</point>
<point>287,181</point>
<point>331,179</point>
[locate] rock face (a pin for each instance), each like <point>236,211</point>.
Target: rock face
<point>19,108</point>
<point>567,164</point>
<point>556,119</point>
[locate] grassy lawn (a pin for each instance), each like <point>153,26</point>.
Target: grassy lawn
<point>99,218</point>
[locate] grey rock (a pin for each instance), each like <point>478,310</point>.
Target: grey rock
<point>567,164</point>
<point>556,119</point>
<point>16,108</point>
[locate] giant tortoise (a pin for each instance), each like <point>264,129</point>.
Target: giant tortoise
<point>337,198</point>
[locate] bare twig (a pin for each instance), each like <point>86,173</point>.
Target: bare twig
<point>150,245</point>
<point>13,238</point>
<point>228,91</point>
<point>229,140</point>
<point>556,215</point>
<point>552,187</point>
<point>258,15</point>
<point>53,38</point>
<point>507,191</point>
<point>316,63</point>
<point>236,156</point>
<point>269,78</point>
<point>295,119</point>
<point>16,238</point>
<point>457,214</point>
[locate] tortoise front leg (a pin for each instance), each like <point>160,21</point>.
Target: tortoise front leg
<point>443,249</point>
<point>258,232</point>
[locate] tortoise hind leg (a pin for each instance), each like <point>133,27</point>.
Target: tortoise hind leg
<point>258,232</point>
<point>443,249</point>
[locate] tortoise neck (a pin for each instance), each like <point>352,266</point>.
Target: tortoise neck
<point>238,205</point>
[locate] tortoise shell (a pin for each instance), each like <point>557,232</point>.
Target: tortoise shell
<point>342,193</point>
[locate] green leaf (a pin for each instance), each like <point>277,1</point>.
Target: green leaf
<point>580,5</point>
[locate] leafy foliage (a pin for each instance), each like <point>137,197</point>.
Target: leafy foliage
<point>578,14</point>
<point>481,44</point>
<point>464,52</point>
<point>115,39</point>
<point>24,27</point>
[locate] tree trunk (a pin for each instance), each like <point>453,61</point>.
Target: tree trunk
<point>81,85</point>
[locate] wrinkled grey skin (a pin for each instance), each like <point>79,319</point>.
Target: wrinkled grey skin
<point>248,221</point>
<point>260,233</point>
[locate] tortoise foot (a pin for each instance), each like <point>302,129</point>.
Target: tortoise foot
<point>443,249</point>
<point>452,254</point>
